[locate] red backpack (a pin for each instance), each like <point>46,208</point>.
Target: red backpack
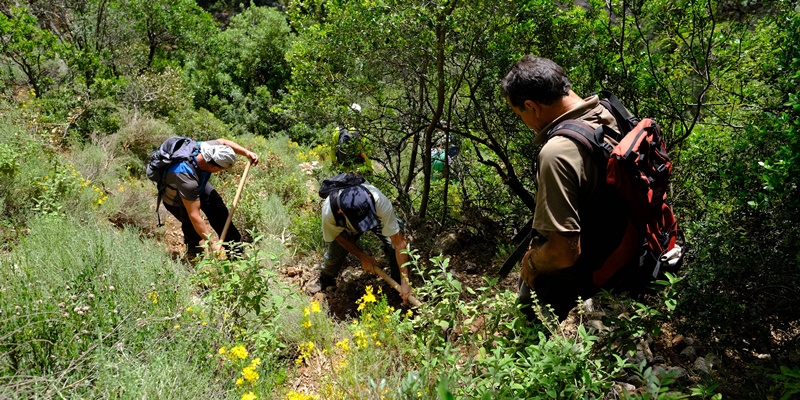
<point>637,171</point>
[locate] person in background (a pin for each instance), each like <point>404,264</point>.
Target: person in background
<point>188,192</point>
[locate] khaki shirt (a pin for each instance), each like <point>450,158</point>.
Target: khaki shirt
<point>567,175</point>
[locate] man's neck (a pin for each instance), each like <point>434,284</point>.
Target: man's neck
<point>567,103</point>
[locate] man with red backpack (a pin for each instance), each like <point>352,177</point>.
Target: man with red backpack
<point>585,236</point>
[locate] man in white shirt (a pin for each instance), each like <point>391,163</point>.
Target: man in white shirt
<point>361,208</point>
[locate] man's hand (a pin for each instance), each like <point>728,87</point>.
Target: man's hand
<point>253,157</point>
<point>528,273</point>
<point>368,263</point>
<point>405,289</point>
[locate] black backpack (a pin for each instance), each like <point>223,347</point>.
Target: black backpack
<point>174,150</point>
<point>331,187</point>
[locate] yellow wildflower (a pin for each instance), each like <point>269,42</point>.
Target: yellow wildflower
<point>238,352</point>
<point>153,296</point>
<point>315,306</point>
<point>306,311</point>
<point>300,396</point>
<point>367,298</point>
<point>240,381</point>
<point>305,351</point>
<point>250,374</point>
<point>222,350</point>
<point>306,324</point>
<point>343,344</point>
<point>249,396</point>
<point>256,362</point>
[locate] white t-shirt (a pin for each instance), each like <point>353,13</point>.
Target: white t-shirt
<point>383,207</point>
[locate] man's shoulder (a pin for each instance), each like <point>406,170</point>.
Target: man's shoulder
<point>559,147</point>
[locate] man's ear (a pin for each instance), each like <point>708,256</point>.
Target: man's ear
<point>530,104</point>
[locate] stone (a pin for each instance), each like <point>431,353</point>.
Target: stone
<point>447,243</point>
<point>701,365</point>
<point>689,353</point>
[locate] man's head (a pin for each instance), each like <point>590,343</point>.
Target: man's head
<point>537,79</point>
<point>220,156</point>
<point>535,88</point>
<point>356,204</point>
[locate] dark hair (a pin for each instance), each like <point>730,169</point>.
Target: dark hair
<point>537,79</point>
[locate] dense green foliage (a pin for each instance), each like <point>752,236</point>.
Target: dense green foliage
<point>89,88</point>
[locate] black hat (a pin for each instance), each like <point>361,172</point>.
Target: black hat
<point>357,205</point>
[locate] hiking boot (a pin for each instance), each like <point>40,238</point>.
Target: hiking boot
<point>326,281</point>
<point>323,282</point>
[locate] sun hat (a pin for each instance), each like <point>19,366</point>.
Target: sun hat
<point>218,155</point>
<point>357,205</point>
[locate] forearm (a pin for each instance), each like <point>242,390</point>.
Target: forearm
<point>350,246</point>
<point>237,148</point>
<point>402,260</point>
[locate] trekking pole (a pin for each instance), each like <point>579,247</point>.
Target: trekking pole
<point>411,299</point>
<point>233,205</point>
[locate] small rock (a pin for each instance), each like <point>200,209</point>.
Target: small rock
<point>620,390</point>
<point>352,274</point>
<point>292,272</point>
<point>446,244</point>
<point>471,268</point>
<point>701,365</point>
<point>643,351</point>
<point>689,341</point>
<point>689,352</point>
<point>678,372</point>
<point>598,325</point>
<point>313,287</point>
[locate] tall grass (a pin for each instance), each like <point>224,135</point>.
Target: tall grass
<point>90,311</point>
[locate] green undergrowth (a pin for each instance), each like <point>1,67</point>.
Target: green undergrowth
<point>89,311</point>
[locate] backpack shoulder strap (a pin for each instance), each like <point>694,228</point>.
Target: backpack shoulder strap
<point>336,208</point>
<point>625,121</point>
<point>590,139</point>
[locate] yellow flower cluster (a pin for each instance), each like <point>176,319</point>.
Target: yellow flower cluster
<point>238,352</point>
<point>153,296</point>
<point>307,311</point>
<point>249,372</point>
<point>300,396</point>
<point>305,351</point>
<point>360,338</point>
<point>249,396</point>
<point>366,299</point>
<point>343,344</point>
